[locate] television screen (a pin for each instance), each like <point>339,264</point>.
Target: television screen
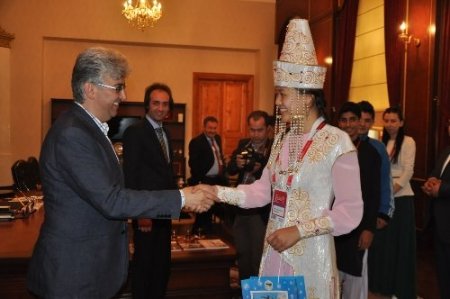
<point>118,124</point>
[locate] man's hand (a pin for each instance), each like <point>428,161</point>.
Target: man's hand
<point>381,223</point>
<point>365,240</point>
<point>431,187</point>
<point>240,161</point>
<point>197,200</point>
<point>256,167</point>
<point>209,189</point>
<point>284,238</point>
<point>145,225</point>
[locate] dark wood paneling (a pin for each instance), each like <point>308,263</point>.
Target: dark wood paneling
<point>320,15</point>
<point>419,75</point>
<point>322,33</point>
<point>285,10</point>
<point>320,9</point>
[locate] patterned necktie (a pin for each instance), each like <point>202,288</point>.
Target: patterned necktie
<point>217,155</point>
<point>159,133</point>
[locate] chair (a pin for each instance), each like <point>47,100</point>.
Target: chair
<point>26,175</point>
<point>6,191</point>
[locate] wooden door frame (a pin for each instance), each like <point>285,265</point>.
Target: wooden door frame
<point>197,126</point>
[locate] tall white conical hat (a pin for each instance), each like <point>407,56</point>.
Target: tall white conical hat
<point>297,66</point>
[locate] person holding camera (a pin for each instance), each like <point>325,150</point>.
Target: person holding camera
<point>248,161</point>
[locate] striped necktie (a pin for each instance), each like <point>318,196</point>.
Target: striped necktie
<point>160,134</point>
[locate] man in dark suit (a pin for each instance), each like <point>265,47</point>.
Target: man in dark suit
<point>248,161</point>
<point>351,248</point>
<point>82,249</point>
<point>207,166</point>
<point>438,188</point>
<point>147,165</point>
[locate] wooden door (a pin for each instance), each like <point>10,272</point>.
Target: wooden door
<point>227,97</point>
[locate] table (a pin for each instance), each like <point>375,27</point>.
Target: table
<point>195,274</point>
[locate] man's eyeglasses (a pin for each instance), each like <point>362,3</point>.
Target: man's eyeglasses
<point>118,88</point>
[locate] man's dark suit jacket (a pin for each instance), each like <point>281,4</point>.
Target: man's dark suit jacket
<point>82,249</point>
<point>201,157</point>
<point>146,168</point>
<point>441,205</point>
<point>349,257</point>
<point>232,165</point>
<point>232,169</point>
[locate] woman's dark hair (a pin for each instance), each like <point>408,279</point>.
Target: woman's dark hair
<point>400,135</point>
<point>319,99</point>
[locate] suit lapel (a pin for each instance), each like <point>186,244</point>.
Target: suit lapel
<point>207,145</point>
<point>98,135</point>
<point>154,141</point>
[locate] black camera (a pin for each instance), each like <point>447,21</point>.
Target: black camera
<point>251,157</point>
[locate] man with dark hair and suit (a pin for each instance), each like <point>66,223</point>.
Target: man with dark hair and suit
<point>438,188</point>
<point>82,248</point>
<point>207,163</point>
<point>351,248</point>
<point>248,161</point>
<point>147,165</point>
<point>387,197</point>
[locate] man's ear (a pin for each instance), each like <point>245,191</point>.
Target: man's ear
<point>89,90</point>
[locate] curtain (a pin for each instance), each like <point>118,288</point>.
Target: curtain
<point>345,33</point>
<point>394,14</point>
<point>444,74</point>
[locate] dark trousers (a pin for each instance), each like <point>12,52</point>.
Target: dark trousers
<point>151,261</point>
<point>392,256</point>
<point>442,250</point>
<point>204,221</point>
<point>249,231</point>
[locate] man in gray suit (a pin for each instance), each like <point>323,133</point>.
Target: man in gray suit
<point>82,249</point>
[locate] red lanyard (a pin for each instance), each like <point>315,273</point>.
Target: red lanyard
<point>301,155</point>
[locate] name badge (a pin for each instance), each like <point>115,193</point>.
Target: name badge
<point>279,203</point>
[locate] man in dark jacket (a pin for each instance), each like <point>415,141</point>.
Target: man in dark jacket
<point>207,163</point>
<point>147,165</point>
<point>438,188</point>
<point>248,161</point>
<point>351,248</point>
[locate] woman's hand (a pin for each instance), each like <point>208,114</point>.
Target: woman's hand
<point>284,238</point>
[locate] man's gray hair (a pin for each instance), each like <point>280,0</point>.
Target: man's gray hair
<point>93,64</point>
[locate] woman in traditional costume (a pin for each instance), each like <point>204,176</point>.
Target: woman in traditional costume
<point>312,177</point>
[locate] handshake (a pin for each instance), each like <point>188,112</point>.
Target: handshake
<point>199,198</point>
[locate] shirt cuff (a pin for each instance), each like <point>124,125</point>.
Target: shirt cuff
<point>183,199</point>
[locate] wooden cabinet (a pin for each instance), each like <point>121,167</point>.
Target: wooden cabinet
<point>176,126</point>
<point>130,112</point>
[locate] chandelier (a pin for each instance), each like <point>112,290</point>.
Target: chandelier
<point>142,14</point>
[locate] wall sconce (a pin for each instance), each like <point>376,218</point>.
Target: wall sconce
<point>328,60</point>
<point>407,38</point>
